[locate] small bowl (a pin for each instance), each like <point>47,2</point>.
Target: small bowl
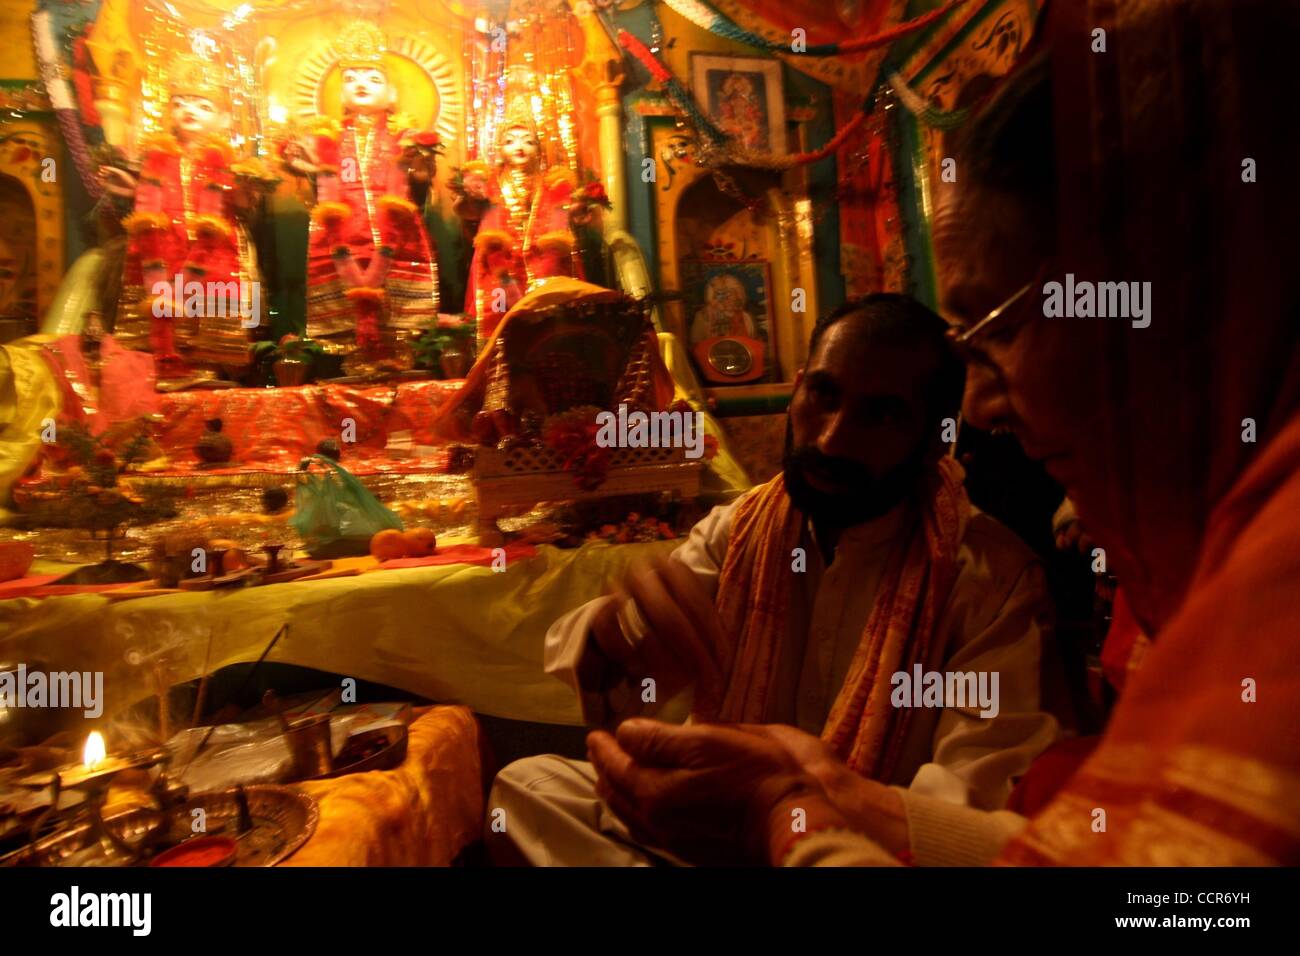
<point>391,754</point>
<point>200,851</point>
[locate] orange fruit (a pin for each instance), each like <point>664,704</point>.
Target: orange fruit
<point>388,544</point>
<point>15,558</point>
<point>235,558</point>
<point>420,542</point>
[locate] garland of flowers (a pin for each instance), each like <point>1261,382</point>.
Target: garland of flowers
<point>572,436</point>
<point>746,157</point>
<point>706,17</point>
<point>676,92</point>
<point>63,102</point>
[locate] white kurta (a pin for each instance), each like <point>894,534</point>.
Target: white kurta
<point>995,621</point>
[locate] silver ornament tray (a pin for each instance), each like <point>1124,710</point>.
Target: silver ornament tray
<point>282,819</point>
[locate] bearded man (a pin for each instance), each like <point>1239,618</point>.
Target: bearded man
<point>808,601</point>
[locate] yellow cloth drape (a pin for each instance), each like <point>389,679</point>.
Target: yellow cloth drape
<point>29,395</point>
<point>724,479</point>
<point>456,634</point>
<point>421,813</point>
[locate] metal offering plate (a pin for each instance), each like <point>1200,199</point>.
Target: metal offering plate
<point>282,821</point>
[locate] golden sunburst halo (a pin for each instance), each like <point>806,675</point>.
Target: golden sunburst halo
<point>435,102</point>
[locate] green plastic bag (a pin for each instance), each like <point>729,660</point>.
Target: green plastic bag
<point>334,513</point>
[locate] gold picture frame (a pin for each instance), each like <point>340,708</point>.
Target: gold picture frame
<point>744,97</point>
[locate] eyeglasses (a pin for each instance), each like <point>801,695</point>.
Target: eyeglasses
<point>1001,321</point>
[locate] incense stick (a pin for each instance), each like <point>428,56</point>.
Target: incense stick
<point>284,629</point>
<point>201,697</point>
<point>164,715</point>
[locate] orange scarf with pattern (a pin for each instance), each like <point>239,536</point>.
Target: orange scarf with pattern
<point>754,593</point>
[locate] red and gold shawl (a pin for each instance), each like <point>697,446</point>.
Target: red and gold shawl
<point>754,594</point>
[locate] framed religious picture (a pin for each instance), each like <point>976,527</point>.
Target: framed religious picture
<point>743,96</point>
<point>729,319</point>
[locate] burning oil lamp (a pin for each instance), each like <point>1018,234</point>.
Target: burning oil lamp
<point>96,770</point>
<point>93,776</point>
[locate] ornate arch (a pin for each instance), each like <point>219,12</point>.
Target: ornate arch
<point>32,156</point>
<point>789,250</point>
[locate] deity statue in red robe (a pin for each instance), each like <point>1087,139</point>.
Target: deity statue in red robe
<point>190,291</point>
<point>525,235</point>
<point>372,278</point>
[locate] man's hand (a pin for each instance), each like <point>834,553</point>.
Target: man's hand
<point>707,793</point>
<point>808,751</point>
<point>661,624</point>
<point>867,805</point>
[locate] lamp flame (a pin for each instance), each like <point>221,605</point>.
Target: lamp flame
<point>95,751</point>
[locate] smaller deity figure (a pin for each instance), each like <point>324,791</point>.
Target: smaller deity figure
<point>525,235</point>
<point>372,273</point>
<point>191,282</point>
<point>740,113</point>
<point>724,312</point>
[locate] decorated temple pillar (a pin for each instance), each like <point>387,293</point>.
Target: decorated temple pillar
<point>115,55</point>
<point>602,69</point>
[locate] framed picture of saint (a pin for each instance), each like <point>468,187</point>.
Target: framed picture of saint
<point>742,95</point>
<point>729,319</point>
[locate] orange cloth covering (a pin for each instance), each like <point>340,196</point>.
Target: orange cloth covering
<point>754,599</point>
<point>1189,772</point>
<point>422,813</point>
<point>275,427</point>
<point>126,383</point>
<point>1200,764</point>
<point>555,291</point>
<point>272,429</point>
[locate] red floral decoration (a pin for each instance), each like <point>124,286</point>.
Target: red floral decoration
<point>213,156</point>
<point>327,152</point>
<point>634,529</point>
<point>593,193</point>
<point>426,143</point>
<point>572,435</point>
